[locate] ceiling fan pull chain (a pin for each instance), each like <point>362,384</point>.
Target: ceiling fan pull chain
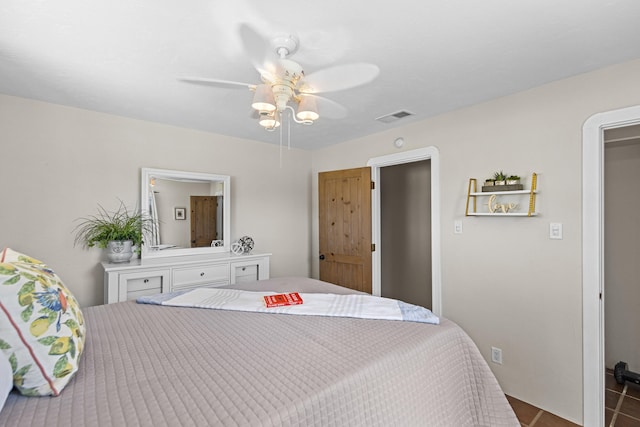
<point>289,133</point>
<point>280,141</point>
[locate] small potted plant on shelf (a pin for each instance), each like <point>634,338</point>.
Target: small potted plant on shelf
<point>500,178</point>
<point>489,182</point>
<point>513,180</point>
<point>118,232</point>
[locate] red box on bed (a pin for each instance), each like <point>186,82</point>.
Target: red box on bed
<point>280,300</point>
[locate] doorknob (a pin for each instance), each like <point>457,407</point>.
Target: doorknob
<point>321,256</point>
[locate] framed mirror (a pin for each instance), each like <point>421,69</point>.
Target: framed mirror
<point>190,211</point>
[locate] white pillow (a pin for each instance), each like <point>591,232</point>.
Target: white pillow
<point>6,379</point>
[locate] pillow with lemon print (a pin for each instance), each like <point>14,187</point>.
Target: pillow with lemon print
<point>41,325</point>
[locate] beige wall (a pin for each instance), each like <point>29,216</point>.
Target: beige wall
<point>622,253</point>
<point>503,280</point>
<point>58,163</point>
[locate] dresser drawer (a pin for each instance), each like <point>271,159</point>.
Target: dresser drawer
<point>247,273</point>
<point>249,269</point>
<point>204,274</point>
<point>143,283</point>
<point>137,284</point>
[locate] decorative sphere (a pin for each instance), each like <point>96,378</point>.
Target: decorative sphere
<point>247,243</point>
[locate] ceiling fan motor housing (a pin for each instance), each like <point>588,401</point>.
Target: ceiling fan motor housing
<point>290,70</point>
<point>282,93</point>
<point>287,77</point>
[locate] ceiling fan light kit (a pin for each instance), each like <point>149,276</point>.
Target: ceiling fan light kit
<point>272,97</point>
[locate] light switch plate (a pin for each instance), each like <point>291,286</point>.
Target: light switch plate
<point>457,226</point>
<point>555,230</point>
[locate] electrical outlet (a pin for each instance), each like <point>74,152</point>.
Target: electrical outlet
<point>457,226</point>
<point>496,355</point>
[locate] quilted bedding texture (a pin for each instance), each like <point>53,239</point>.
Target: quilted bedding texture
<point>151,365</point>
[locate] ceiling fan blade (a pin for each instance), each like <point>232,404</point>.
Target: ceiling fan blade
<point>257,49</point>
<point>217,82</point>
<point>340,77</point>
<point>328,108</point>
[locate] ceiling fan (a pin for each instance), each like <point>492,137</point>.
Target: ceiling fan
<point>284,82</point>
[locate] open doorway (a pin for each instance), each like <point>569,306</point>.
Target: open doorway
<point>621,271</point>
<point>405,240</point>
<point>431,155</point>
<point>593,259</point>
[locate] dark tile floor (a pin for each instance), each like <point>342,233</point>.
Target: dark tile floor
<point>622,408</point>
<point>621,402</point>
<point>531,416</point>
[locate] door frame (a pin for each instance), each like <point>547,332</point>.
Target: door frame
<point>427,153</point>
<point>593,257</point>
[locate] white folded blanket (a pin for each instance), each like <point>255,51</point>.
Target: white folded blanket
<point>356,305</point>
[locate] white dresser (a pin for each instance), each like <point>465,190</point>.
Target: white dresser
<point>126,281</point>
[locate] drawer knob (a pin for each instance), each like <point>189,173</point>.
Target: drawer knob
<point>146,280</point>
<point>202,274</point>
<point>244,268</point>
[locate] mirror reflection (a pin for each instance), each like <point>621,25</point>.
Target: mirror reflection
<point>190,212</point>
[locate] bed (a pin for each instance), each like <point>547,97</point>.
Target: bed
<point>153,365</point>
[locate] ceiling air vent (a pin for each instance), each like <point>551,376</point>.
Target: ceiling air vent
<point>390,118</point>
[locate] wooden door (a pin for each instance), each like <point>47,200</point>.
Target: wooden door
<point>345,228</point>
<point>204,215</point>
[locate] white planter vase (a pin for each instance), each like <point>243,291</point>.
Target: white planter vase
<point>119,251</point>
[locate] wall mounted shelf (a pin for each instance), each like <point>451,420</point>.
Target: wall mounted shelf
<point>473,194</point>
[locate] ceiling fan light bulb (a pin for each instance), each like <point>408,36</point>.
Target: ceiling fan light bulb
<point>263,106</point>
<point>307,116</point>
<point>269,123</point>
<point>263,99</point>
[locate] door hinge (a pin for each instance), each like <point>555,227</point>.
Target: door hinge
<point>373,247</point>
<point>373,185</point>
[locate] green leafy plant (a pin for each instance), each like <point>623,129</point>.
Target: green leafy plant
<point>513,178</point>
<point>499,176</point>
<point>122,224</point>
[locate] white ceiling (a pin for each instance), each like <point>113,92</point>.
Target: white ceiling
<point>124,56</point>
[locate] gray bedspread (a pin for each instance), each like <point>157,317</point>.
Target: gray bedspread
<point>151,365</point>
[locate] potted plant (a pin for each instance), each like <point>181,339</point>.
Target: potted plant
<point>118,232</point>
<point>513,180</point>
<point>489,182</point>
<point>500,178</point>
